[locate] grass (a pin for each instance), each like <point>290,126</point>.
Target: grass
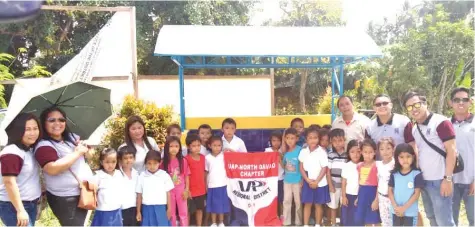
<point>48,219</point>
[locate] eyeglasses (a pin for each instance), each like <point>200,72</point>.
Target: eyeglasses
<point>416,106</point>
<point>458,100</point>
<point>381,104</point>
<point>52,120</point>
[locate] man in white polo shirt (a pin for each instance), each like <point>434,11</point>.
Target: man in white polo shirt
<point>436,170</point>
<point>464,126</point>
<point>354,124</point>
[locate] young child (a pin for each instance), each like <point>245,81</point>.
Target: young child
<point>196,162</point>
<point>336,159</point>
<point>349,184</point>
<point>126,158</point>
<point>109,182</point>
<point>313,167</point>
<point>327,127</point>
<point>177,167</point>
<point>217,201</point>
<point>230,141</point>
<point>153,193</point>
<point>325,140</point>
<point>292,177</point>
<point>367,202</point>
<point>405,184</point>
<point>297,124</point>
<point>175,130</point>
<point>275,141</point>
<point>204,132</point>
<point>385,166</point>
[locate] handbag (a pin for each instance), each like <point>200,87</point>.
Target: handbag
<point>88,194</point>
<point>459,166</point>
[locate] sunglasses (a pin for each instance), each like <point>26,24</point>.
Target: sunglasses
<point>52,120</point>
<point>381,104</point>
<point>458,100</point>
<point>416,106</point>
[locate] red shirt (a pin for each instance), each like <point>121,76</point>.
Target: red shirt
<point>368,176</point>
<point>197,175</point>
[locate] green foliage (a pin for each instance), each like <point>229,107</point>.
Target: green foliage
<point>156,121</point>
<point>324,105</point>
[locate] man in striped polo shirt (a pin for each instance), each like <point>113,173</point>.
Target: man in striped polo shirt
<point>437,171</point>
<point>464,126</point>
<point>336,160</point>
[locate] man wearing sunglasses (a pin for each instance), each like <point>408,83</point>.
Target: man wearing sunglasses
<point>389,124</point>
<point>436,170</point>
<point>465,139</point>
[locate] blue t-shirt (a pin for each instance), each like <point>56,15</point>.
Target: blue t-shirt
<point>301,141</point>
<point>404,186</point>
<point>292,173</point>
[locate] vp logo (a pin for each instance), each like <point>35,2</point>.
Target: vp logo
<point>251,185</point>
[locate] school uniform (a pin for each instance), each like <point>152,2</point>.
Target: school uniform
<point>280,184</point>
<point>236,144</point>
<point>384,172</point>
<point>129,199</point>
<point>292,189</point>
<point>403,186</point>
<point>197,183</point>
<point>21,164</point>
<point>217,201</point>
<point>110,191</point>
<point>154,188</point>
<point>62,190</point>
<point>142,151</point>
<point>313,162</point>
<point>203,150</point>
<point>368,180</point>
<point>178,177</point>
<point>350,173</point>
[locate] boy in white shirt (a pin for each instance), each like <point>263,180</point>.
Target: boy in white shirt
<point>230,141</point>
<point>204,132</point>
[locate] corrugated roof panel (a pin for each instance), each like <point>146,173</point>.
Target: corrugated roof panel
<point>197,40</point>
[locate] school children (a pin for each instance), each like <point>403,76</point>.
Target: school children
<point>196,162</point>
<point>292,177</point>
<point>126,159</point>
<point>204,132</point>
<point>153,193</point>
<point>217,202</point>
<point>405,184</point>
<point>298,124</point>
<point>230,141</point>
<point>313,167</point>
<point>367,202</point>
<point>336,159</point>
<point>349,184</point>
<point>177,167</point>
<point>175,130</point>
<point>109,183</point>
<point>275,141</point>
<point>325,141</point>
<point>385,166</point>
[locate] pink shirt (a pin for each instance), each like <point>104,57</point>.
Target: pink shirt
<point>368,176</point>
<point>178,178</point>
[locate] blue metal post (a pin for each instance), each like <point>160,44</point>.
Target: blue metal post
<point>333,90</point>
<point>341,62</point>
<point>181,80</point>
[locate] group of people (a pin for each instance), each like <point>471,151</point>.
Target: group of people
<point>372,171</point>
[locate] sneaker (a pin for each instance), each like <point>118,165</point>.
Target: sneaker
<point>214,225</point>
<point>221,225</point>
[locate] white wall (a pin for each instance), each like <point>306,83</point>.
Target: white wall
<point>204,97</point>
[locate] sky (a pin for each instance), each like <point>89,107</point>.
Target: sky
<point>357,13</point>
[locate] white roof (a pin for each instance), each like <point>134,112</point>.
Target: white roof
<point>197,40</point>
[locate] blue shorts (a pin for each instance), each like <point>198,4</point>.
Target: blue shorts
<point>364,214</point>
<point>155,215</point>
<point>280,191</point>
<point>107,218</point>
<point>320,195</point>
<point>217,201</point>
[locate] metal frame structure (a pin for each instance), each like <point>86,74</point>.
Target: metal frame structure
<point>186,59</point>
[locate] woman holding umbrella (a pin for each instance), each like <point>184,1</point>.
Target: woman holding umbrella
<point>61,155</point>
<point>20,187</point>
<point>136,138</point>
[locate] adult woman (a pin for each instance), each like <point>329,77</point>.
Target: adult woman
<point>136,138</point>
<point>20,186</point>
<point>60,154</point>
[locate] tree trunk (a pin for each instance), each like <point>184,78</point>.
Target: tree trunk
<point>440,105</point>
<point>303,85</point>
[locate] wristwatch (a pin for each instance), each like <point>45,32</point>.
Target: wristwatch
<point>448,178</point>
